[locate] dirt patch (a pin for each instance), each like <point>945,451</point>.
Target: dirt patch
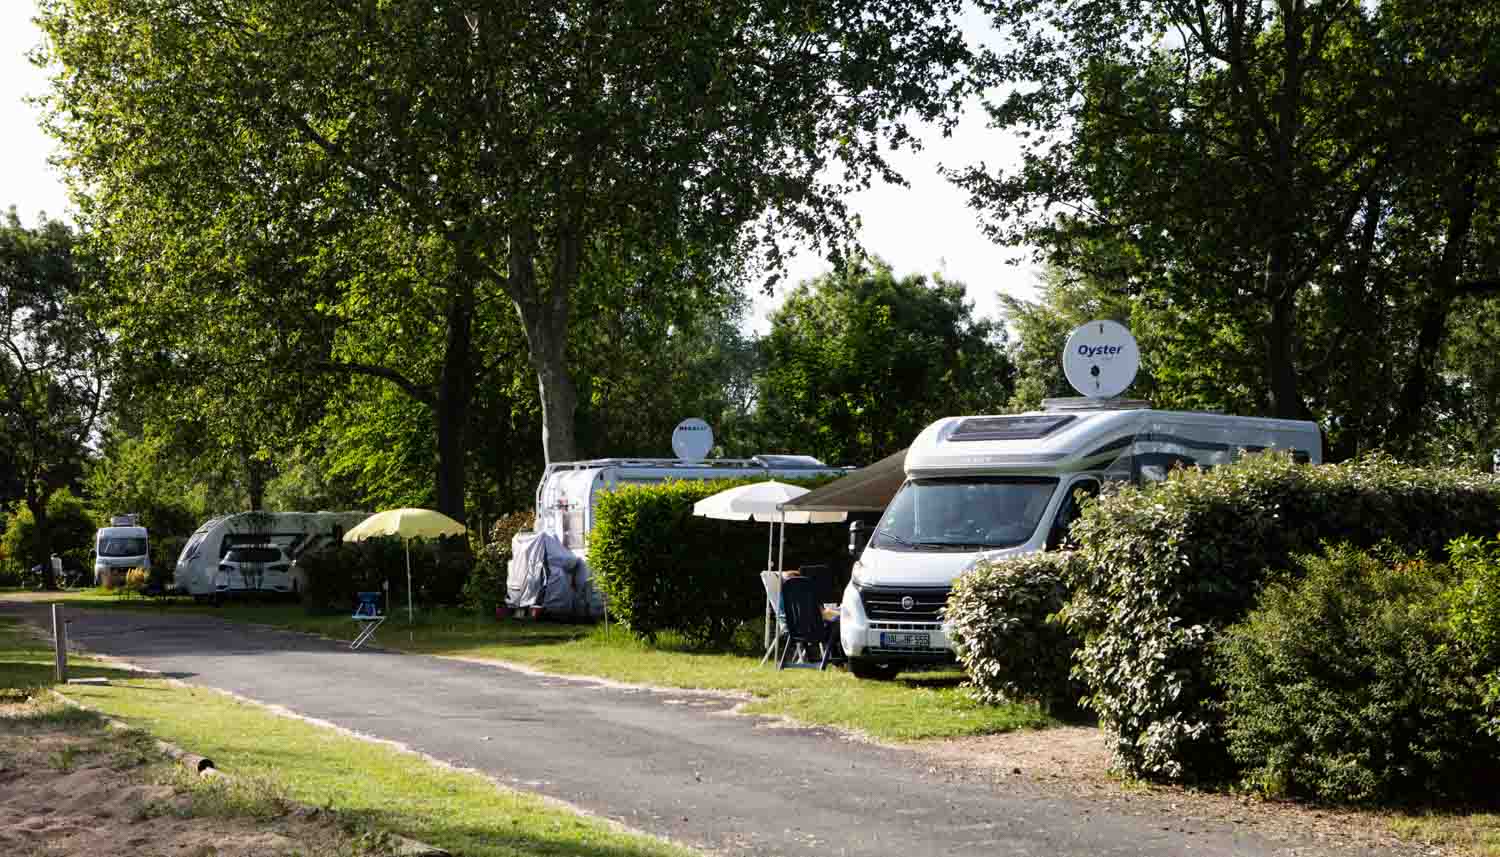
<point>70,788</point>
<point>1074,761</point>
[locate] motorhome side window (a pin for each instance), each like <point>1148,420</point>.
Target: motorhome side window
<point>1072,505</point>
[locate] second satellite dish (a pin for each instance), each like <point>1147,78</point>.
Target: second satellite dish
<point>1101,359</point>
<point>692,439</point>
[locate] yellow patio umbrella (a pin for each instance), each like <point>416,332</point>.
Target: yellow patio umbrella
<point>408,524</point>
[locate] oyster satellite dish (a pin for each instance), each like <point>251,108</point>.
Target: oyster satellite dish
<point>1101,359</point>
<point>692,439</point>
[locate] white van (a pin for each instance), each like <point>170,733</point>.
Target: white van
<point>995,486</point>
<point>119,548</point>
<point>568,494</point>
<point>271,542</point>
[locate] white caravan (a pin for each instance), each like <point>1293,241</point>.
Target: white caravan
<point>565,502</point>
<point>996,486</point>
<point>118,547</point>
<point>202,571</point>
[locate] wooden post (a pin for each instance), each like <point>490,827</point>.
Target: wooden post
<point>60,641</point>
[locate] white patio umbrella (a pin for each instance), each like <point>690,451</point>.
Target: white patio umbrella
<point>762,501</point>
<point>408,524</point>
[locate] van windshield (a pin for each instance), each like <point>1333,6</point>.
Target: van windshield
<point>117,546</point>
<point>964,513</point>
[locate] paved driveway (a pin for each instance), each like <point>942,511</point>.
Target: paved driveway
<point>671,763</point>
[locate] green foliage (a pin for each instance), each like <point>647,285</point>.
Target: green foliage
<point>1001,617</point>
<point>1473,605</point>
<point>484,592</point>
<point>859,362</point>
<point>1346,685</point>
<point>71,534</point>
<point>334,575</point>
<point>1165,568</point>
<point>661,568</point>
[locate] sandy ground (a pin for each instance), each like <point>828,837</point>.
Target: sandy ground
<point>75,791</point>
<point>1074,760</point>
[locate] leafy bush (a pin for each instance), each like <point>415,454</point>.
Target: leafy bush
<point>72,530</point>
<point>663,569</point>
<point>1473,605</point>
<point>336,574</point>
<point>1346,685</point>
<point>1000,618</point>
<point>484,592</point>
<point>1164,569</point>
<point>135,581</point>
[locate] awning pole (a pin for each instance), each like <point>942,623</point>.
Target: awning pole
<point>770,545</point>
<point>781,560</point>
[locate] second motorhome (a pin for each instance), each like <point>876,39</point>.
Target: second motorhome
<point>995,486</point>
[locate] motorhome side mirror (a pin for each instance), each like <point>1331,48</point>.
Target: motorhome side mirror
<point>858,535</point>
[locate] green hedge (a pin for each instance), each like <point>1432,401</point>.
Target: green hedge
<point>661,568</point>
<point>1166,568</point>
<point>439,568</point>
<point>1000,618</point>
<point>484,592</point>
<point>1349,686</point>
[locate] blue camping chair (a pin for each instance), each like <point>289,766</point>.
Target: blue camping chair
<point>367,613</point>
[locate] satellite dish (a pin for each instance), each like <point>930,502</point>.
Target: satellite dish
<point>1101,359</point>
<point>692,439</point>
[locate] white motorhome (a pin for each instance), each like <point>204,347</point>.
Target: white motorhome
<point>995,486</point>
<point>566,499</point>
<point>203,572</point>
<point>119,547</point>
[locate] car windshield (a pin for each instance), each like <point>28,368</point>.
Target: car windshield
<point>117,546</point>
<point>253,555</point>
<point>964,513</point>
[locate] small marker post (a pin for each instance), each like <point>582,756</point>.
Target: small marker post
<point>60,642</point>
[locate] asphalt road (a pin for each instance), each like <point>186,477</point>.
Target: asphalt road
<point>675,764</point>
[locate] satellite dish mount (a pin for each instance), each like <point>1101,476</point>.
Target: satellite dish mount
<point>1101,359</point>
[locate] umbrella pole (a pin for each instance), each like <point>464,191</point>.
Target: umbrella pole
<point>410,614</point>
<point>770,544</point>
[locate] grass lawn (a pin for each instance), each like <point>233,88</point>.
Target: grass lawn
<point>917,705</point>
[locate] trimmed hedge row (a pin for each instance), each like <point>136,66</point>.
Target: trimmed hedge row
<point>1164,569</point>
<point>1001,620</point>
<point>661,568</point>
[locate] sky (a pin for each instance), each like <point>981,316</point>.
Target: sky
<point>922,229</point>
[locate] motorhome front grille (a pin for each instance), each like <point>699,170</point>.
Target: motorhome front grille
<point>903,604</point>
<point>1009,428</point>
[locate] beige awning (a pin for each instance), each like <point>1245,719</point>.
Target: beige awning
<point>868,489</point>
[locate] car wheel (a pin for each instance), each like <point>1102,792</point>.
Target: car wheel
<point>873,670</point>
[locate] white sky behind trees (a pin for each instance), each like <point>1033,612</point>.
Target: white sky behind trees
<point>925,228</point>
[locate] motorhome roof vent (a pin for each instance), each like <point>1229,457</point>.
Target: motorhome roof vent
<point>1082,403</point>
<point>1008,428</point>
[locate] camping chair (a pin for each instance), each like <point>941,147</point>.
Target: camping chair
<point>804,624</point>
<point>367,614</point>
<point>771,580</point>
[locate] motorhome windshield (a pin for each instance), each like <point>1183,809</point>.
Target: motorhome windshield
<point>117,546</point>
<point>964,513</point>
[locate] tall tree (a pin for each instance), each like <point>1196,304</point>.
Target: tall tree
<point>533,141</point>
<point>859,361</point>
<point>52,365</point>
<point>1249,154</point>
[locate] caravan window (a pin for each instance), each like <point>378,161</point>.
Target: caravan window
<point>964,513</point>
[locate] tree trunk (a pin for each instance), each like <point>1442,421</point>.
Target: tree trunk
<point>454,397</point>
<point>1432,318</point>
<point>1281,337</point>
<point>255,484</point>
<point>43,527</point>
<point>544,317</point>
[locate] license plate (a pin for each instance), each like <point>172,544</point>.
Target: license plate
<point>905,640</point>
